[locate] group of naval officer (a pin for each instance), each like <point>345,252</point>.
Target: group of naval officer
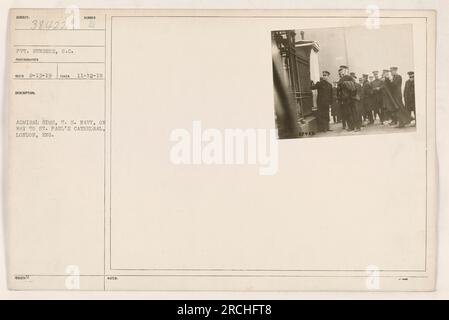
<point>359,102</point>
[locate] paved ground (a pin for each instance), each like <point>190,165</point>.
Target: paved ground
<point>376,128</point>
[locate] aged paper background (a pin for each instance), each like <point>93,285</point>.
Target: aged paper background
<point>245,118</point>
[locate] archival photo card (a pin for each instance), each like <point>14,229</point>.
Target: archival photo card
<point>157,150</point>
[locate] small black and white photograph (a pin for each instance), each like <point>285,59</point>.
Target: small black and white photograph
<point>343,81</point>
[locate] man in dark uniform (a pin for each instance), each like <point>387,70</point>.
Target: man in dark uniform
<point>335,108</point>
<point>387,98</point>
<point>396,110</point>
<point>401,115</point>
<point>367,99</point>
<point>377,96</point>
<point>409,93</point>
<point>341,107</point>
<point>324,101</point>
<point>346,92</point>
<point>358,101</point>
